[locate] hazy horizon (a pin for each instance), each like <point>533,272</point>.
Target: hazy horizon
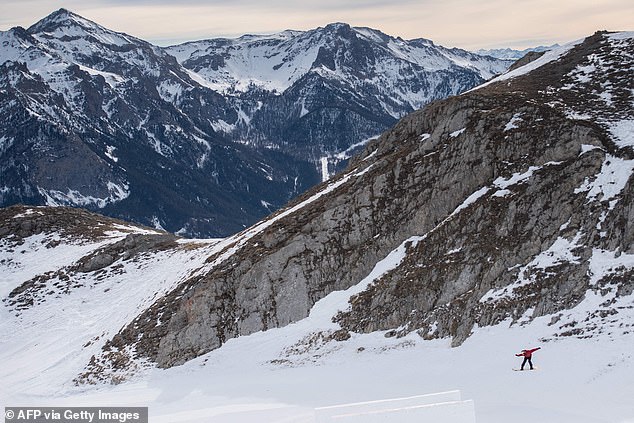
<point>466,24</point>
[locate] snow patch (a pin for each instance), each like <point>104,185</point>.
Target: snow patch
<point>222,126</point>
<point>610,181</point>
<point>470,200</point>
<point>170,91</point>
<point>501,193</point>
<point>324,310</point>
<point>156,222</point>
<point>516,178</point>
<point>111,79</point>
<point>561,251</point>
<point>345,155</point>
<point>28,212</point>
<point>118,192</point>
<point>588,147</point>
<point>512,124</point>
<point>604,262</point>
<point>110,153</point>
<point>622,132</point>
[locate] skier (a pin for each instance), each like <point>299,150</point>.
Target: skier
<point>527,354</point>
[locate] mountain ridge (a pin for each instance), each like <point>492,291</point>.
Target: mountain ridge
<point>513,54</point>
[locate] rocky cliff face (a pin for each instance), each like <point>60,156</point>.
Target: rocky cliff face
<point>555,204</point>
<point>506,203</point>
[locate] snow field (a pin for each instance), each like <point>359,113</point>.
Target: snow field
<point>577,381</point>
<point>50,343</point>
<point>284,374</point>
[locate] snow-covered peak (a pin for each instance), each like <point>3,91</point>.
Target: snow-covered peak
<point>65,25</point>
<point>74,40</point>
<point>60,17</point>
<point>80,41</point>
<point>337,51</point>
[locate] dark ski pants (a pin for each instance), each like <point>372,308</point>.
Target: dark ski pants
<point>527,360</point>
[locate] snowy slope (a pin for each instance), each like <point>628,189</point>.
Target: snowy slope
<point>283,374</point>
<point>48,293</point>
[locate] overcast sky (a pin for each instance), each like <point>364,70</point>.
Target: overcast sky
<point>468,24</point>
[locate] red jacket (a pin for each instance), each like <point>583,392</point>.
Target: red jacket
<point>527,353</point>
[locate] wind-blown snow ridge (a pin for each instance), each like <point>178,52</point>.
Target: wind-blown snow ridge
<point>547,57</point>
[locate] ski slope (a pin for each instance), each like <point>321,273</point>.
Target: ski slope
<point>282,375</point>
<point>577,381</point>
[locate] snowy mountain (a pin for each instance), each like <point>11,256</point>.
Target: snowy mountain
<point>102,120</point>
<point>325,90</point>
<point>497,220</point>
<point>511,54</point>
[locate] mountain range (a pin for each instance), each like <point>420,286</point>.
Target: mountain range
<point>488,222</point>
<point>512,54</point>
<point>204,138</point>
